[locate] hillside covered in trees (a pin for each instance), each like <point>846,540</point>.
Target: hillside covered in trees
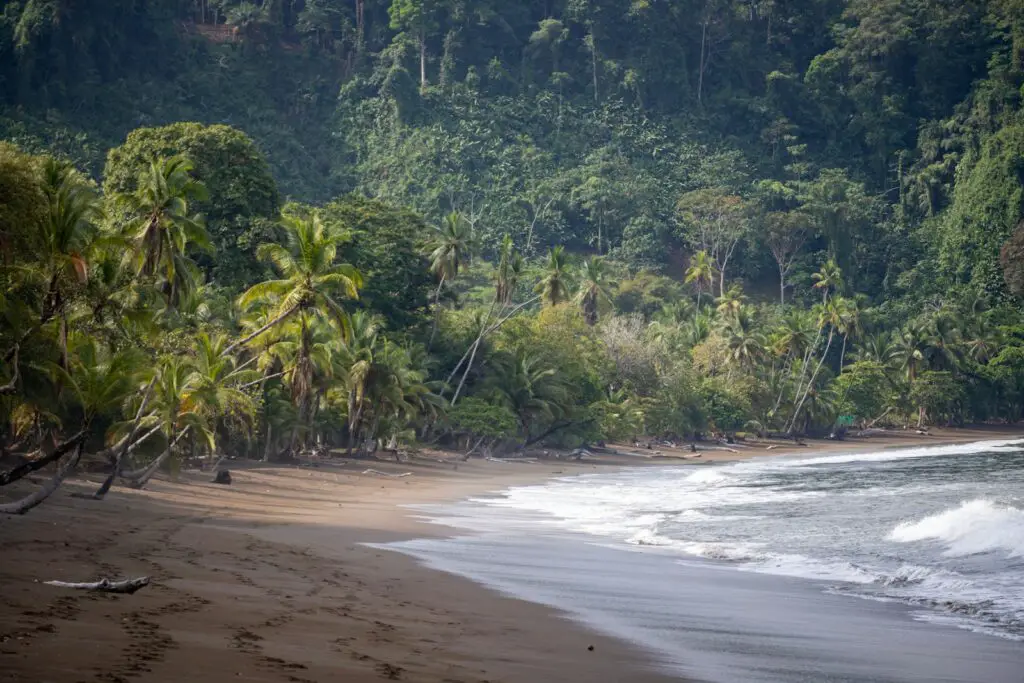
<point>262,227</point>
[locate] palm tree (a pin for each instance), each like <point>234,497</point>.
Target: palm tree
<point>554,286</point>
<point>828,279</point>
<point>593,288</point>
<point>701,272</point>
<point>452,246</point>
<point>95,381</point>
<point>527,383</point>
<point>731,303</point>
<point>162,228</point>
<point>218,392</point>
<point>847,317</point>
<point>510,269</point>
<point>746,345</point>
<point>67,233</point>
<point>907,352</point>
<point>177,411</point>
<point>877,348</point>
<point>310,279</point>
<point>983,340</point>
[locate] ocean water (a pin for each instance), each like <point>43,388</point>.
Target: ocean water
<point>894,565</point>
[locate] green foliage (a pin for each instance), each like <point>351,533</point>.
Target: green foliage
<point>243,199</point>
<point>476,418</point>
<point>384,246</point>
<point>864,390</point>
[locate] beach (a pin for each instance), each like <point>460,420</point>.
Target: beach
<point>270,579</point>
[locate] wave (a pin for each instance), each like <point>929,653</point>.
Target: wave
<point>976,526</point>
<point>1001,446</point>
<point>712,475</point>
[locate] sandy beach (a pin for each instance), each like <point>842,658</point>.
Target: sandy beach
<point>268,579</point>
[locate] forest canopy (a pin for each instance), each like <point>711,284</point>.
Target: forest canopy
<point>262,228</point>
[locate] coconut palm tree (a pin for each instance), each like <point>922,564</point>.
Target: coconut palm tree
<point>876,347</point>
<point>701,272</point>
<point>178,411</point>
<point>311,280</point>
<point>829,279</point>
<point>161,227</point>
<point>527,383</point>
<point>452,246</point>
<point>731,303</point>
<point>510,269</point>
<point>95,381</point>
<point>593,288</point>
<point>554,286</point>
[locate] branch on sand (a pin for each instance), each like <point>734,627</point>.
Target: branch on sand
<point>128,586</point>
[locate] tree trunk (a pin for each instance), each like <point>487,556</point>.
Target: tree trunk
<point>27,468</point>
<point>246,340</point>
<point>102,490</point>
<point>810,382</point>
<point>593,66</point>
<point>700,71</point>
<point>360,5</point>
<point>782,286</point>
<point>267,446</point>
<point>437,311</point>
<point>423,60</point>
<point>119,462</point>
<point>139,478</point>
<point>20,507</point>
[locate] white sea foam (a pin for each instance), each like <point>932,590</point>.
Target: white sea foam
<point>1001,446</point>
<point>976,526</point>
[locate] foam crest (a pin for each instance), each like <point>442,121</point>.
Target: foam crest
<point>976,526</point>
<point>1003,446</point>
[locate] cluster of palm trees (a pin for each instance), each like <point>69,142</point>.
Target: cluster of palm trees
<point>114,351</point>
<point>799,354</point>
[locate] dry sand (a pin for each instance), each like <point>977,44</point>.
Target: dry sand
<point>267,580</point>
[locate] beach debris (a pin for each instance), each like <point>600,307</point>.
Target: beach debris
<point>590,648</point>
<point>128,586</point>
<point>222,477</point>
<point>387,474</point>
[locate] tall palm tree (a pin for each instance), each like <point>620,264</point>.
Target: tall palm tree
<point>161,226</point>
<point>593,288</point>
<point>908,350</point>
<point>829,279</point>
<point>701,272</point>
<point>452,246</point>
<point>746,345</point>
<point>554,286</point>
<point>310,278</point>
<point>218,392</point>
<point>510,269</point>
<point>177,410</point>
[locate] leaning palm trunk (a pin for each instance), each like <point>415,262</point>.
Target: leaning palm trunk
<point>20,507</point>
<point>38,463</point>
<point>122,450</point>
<point>139,478</point>
<point>245,340</point>
<point>810,382</point>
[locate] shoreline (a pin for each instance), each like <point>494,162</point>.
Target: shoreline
<point>270,579</point>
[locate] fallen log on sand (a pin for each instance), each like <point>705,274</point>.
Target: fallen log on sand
<point>105,585</point>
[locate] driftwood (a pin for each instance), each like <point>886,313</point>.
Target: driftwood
<point>128,586</point>
<point>386,474</point>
